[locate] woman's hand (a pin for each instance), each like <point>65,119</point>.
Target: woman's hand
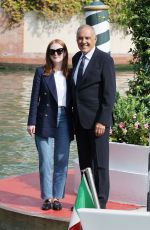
<point>31,129</point>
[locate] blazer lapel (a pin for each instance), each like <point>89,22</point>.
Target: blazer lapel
<point>72,77</point>
<point>75,63</point>
<point>50,82</point>
<point>68,96</point>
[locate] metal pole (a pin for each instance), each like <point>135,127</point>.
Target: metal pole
<point>97,16</point>
<point>89,176</point>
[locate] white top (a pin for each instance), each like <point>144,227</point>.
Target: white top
<point>61,87</point>
<point>87,59</point>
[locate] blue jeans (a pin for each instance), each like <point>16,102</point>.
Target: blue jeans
<point>53,175</point>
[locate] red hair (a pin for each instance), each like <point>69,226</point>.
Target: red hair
<point>49,66</point>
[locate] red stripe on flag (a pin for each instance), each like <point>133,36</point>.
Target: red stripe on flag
<point>76,227</point>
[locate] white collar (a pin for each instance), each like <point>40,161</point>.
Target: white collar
<point>89,54</point>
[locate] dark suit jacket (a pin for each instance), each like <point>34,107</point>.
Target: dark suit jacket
<point>44,105</point>
<point>94,95</point>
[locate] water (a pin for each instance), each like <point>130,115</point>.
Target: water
<point>18,154</point>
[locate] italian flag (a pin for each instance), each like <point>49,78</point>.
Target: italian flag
<point>83,200</point>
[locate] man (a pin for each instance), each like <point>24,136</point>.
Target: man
<point>93,97</point>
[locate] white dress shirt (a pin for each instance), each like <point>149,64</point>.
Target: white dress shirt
<point>87,59</point>
<point>61,88</point>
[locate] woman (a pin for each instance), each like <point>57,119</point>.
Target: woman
<point>50,116</point>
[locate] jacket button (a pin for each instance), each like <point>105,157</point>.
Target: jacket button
<point>45,93</point>
<point>47,105</point>
<point>46,115</point>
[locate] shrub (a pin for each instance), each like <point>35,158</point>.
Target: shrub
<point>131,121</point>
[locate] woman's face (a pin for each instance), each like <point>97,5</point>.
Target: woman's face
<point>56,53</point>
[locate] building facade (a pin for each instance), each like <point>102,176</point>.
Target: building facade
<point>27,42</point>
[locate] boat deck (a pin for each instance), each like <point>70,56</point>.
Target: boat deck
<point>20,204</point>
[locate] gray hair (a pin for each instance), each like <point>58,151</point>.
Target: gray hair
<point>88,27</point>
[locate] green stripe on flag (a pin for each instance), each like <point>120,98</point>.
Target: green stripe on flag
<point>84,199</point>
<point>84,196</point>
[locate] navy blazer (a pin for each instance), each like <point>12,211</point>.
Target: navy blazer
<point>44,105</point>
<point>94,95</point>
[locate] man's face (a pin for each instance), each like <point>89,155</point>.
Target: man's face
<point>86,40</point>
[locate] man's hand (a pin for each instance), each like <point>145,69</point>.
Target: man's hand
<point>31,129</point>
<point>99,129</point>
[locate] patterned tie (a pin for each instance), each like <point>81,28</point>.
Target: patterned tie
<point>80,70</point>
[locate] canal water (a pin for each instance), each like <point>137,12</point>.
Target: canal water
<point>18,154</point>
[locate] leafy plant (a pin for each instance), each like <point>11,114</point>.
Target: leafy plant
<point>134,16</point>
<point>131,121</point>
<point>51,9</point>
<point>132,113</point>
<point>139,27</point>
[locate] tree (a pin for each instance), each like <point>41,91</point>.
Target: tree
<point>139,27</point>
<point>135,17</point>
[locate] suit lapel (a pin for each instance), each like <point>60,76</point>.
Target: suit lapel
<point>88,68</point>
<point>50,82</point>
<point>90,65</point>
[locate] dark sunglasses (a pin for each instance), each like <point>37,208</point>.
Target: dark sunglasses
<point>58,51</point>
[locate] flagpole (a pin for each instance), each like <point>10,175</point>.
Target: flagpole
<point>88,173</point>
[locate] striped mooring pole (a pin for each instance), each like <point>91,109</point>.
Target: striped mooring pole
<point>97,16</point>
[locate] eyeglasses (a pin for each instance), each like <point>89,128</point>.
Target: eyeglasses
<point>58,51</point>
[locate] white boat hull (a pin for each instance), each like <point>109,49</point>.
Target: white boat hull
<point>104,219</point>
